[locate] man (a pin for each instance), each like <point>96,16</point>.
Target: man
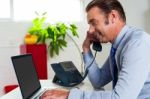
<point>129,66</point>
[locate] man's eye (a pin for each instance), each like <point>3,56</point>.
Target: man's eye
<point>94,24</point>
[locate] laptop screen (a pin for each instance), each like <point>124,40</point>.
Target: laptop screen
<point>26,75</point>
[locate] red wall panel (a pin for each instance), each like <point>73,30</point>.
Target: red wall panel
<point>39,55</point>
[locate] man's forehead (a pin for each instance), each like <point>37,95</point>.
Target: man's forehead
<point>92,14</point>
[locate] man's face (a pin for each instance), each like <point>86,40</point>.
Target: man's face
<point>100,26</point>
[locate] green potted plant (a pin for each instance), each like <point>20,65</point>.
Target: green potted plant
<point>38,28</point>
<point>54,34</point>
<point>57,34</point>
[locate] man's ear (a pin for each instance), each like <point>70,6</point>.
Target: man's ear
<point>113,16</point>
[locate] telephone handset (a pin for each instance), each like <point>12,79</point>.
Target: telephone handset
<point>66,74</point>
<point>97,46</point>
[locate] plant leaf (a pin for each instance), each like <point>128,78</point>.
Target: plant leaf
<point>62,42</point>
<point>56,49</point>
<point>73,29</point>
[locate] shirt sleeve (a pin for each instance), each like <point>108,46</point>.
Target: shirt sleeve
<point>97,76</point>
<point>134,72</point>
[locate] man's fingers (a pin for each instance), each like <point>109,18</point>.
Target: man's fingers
<point>52,94</point>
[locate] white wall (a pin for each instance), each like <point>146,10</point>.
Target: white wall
<point>11,36</point>
<point>10,39</point>
<point>138,13</point>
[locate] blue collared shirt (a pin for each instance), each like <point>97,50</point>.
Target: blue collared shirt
<point>133,63</point>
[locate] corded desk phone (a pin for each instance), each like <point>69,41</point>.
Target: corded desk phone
<point>66,74</point>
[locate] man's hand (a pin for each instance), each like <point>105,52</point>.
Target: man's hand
<point>55,94</point>
<point>90,37</point>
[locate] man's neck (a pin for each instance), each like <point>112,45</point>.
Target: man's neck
<point>117,30</point>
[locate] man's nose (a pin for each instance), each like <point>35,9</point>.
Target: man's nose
<point>91,29</point>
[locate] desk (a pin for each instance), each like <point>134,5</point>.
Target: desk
<point>16,94</point>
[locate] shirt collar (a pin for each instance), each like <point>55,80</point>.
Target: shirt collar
<point>120,36</point>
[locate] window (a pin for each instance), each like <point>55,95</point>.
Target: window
<point>57,10</point>
<point>5,9</point>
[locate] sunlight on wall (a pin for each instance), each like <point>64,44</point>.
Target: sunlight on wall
<point>57,10</point>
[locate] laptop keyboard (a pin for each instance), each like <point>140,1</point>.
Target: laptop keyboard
<point>39,94</point>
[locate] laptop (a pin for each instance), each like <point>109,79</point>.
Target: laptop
<point>27,76</point>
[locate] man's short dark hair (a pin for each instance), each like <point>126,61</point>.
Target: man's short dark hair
<point>106,6</point>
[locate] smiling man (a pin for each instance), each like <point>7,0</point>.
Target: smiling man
<point>127,66</point>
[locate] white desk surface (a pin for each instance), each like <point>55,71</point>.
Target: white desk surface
<point>16,94</point>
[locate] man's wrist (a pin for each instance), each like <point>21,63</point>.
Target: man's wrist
<point>86,50</point>
<point>67,96</point>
